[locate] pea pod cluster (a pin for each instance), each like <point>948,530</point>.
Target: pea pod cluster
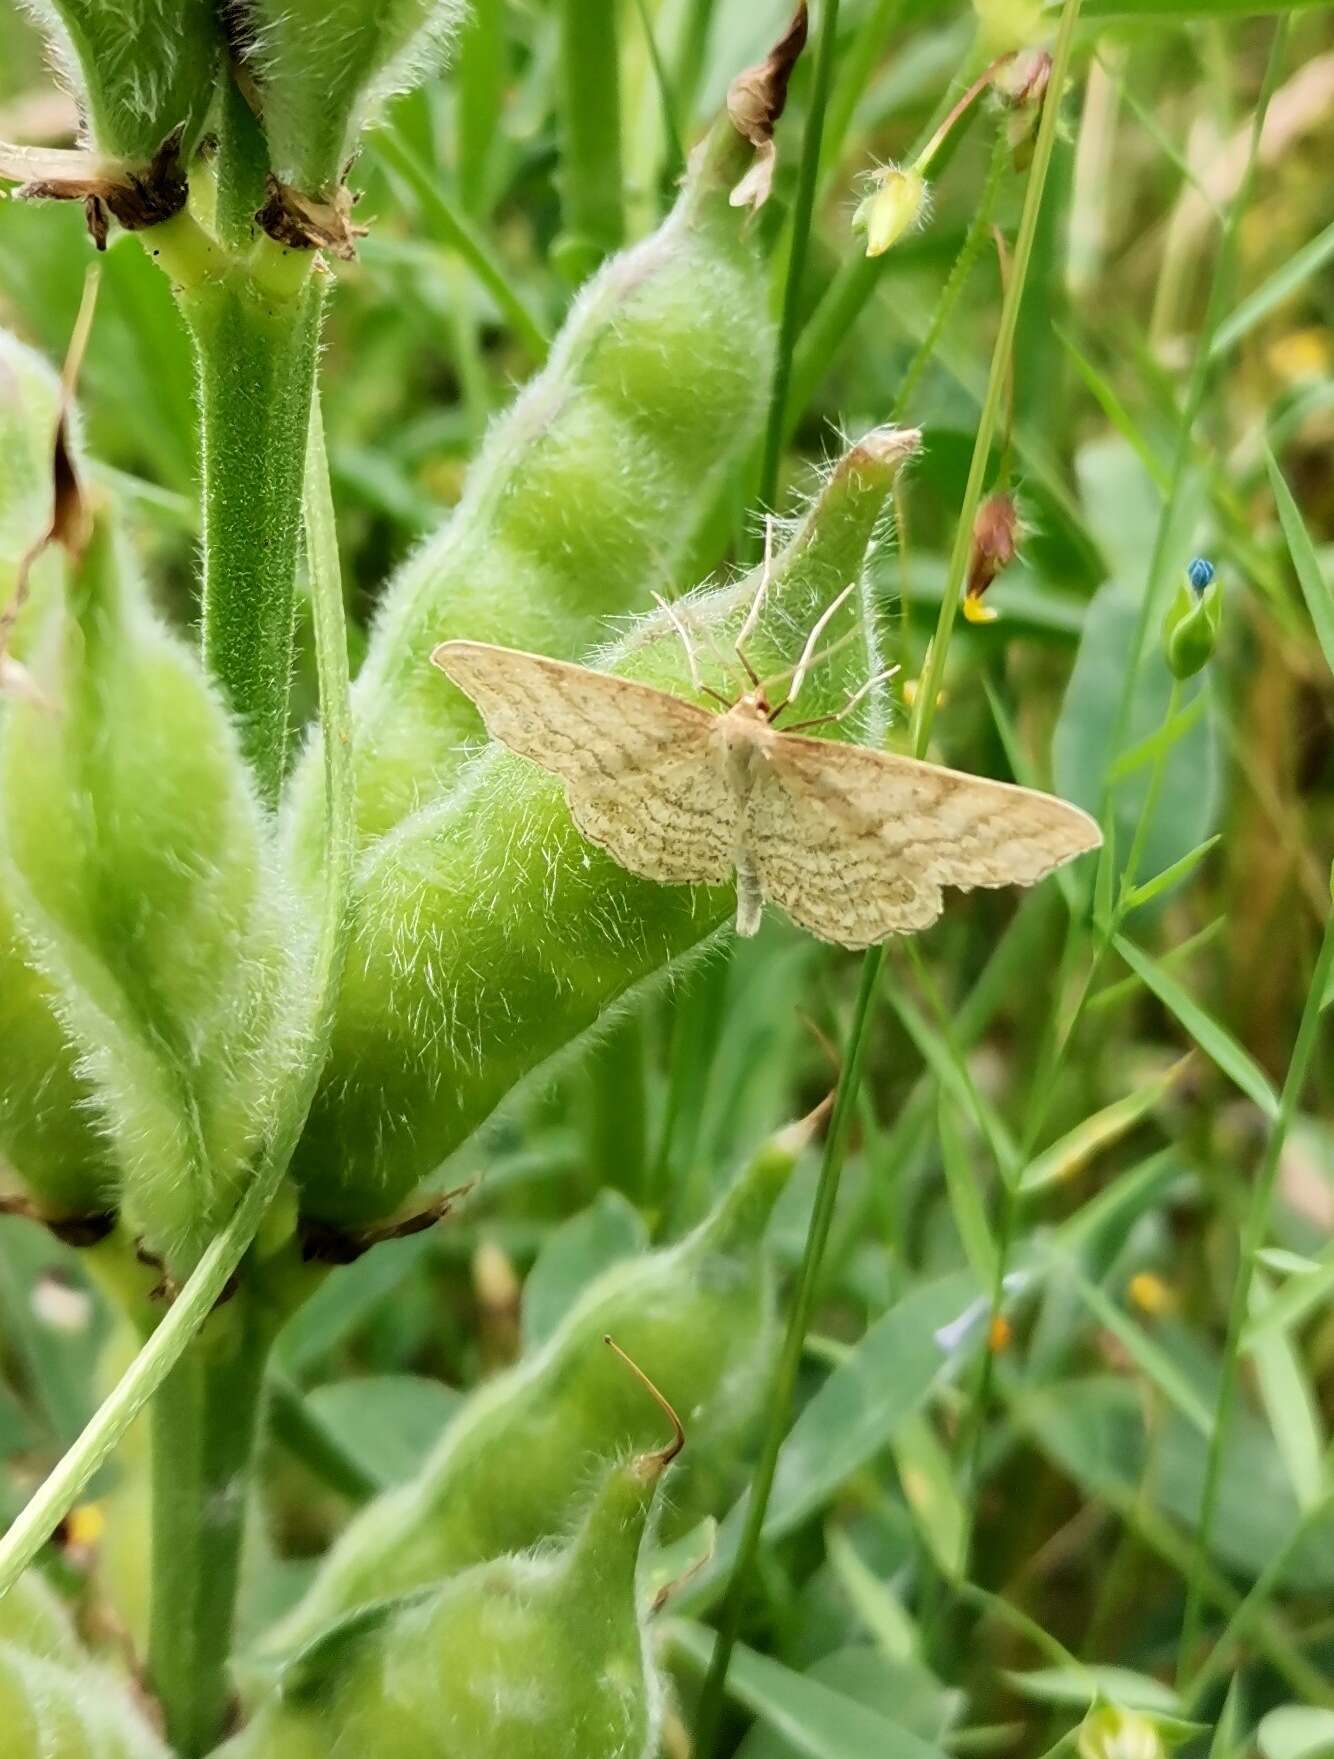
<point>510,1470</point>
<point>556,1662</point>
<point>490,935</point>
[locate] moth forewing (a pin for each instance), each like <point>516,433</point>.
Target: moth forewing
<point>638,764</point>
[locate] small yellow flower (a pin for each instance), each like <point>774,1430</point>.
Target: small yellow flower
<point>85,1524</point>
<point>1108,1732</point>
<point>976,612</point>
<point>894,204</point>
<point>1149,1293</point>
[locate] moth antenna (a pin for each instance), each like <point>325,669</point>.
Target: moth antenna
<point>691,660</point>
<point>757,603</point>
<point>663,1456</point>
<point>68,512</point>
<point>808,652</point>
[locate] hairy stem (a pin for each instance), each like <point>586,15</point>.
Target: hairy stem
<point>204,1423</point>
<point>256,350</point>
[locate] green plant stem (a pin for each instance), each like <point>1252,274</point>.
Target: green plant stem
<point>803,208</point>
<point>709,1713</point>
<point>592,196</point>
<point>934,670</point>
<point>453,229</point>
<point>1196,387</point>
<point>256,351</point>
<point>729,1623</point>
<point>61,1489</point>
<point>690,65</point>
<point>243,169</point>
<point>1252,1240</point>
<point>205,1420</point>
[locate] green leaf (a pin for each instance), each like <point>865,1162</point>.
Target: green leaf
<point>1077,1147</point>
<point>1281,285</point>
<point>1079,1687</point>
<point>1289,1403</point>
<point>1214,1040</point>
<point>1152,1361</point>
<point>1306,1289</point>
<point>1187,807</point>
<point>1094,1430</point>
<point>1297,1731</point>
<point>387,1423</point>
<point>873,1600</point>
<point>1170,877</point>
<point>577,1252</point>
<point>1315,588</point>
<point>816,1722</point>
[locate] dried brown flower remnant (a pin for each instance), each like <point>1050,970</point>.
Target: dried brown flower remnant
<point>306,224</point>
<point>138,196</point>
<point>755,101</point>
<point>996,534</point>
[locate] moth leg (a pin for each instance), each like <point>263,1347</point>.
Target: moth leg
<point>848,706</point>
<point>757,603</point>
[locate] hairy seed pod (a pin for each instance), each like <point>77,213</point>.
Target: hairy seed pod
<point>538,1656</point>
<point>579,505</point>
<point>491,935</point>
<point>55,1703</point>
<point>134,856</point>
<point>142,70</point>
<point>33,1618</point>
<point>319,66</point>
<point>513,1464</point>
<point>48,1130</point>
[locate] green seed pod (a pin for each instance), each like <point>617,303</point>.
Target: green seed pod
<point>542,1656</point>
<point>48,1132</point>
<point>579,504</point>
<point>143,72</point>
<point>321,64</point>
<point>1194,618</point>
<point>133,853</point>
<point>513,1465</point>
<point>52,1711</point>
<point>33,1618</point>
<point>490,935</point>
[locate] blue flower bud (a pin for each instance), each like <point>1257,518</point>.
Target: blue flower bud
<point>1200,573</point>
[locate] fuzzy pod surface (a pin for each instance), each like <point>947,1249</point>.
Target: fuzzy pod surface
<point>537,1656</point>
<point>48,1131</point>
<point>512,1468</point>
<point>135,856</point>
<point>584,495</point>
<point>51,1711</point>
<point>320,65</point>
<point>490,935</point>
<point>140,69</point>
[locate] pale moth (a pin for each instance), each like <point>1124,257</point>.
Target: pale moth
<point>854,844</point>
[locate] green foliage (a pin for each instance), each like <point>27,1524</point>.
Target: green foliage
<point>319,67</point>
<point>558,1666</point>
<point>513,1463</point>
<point>1056,1468</point>
<point>140,70</point>
<point>135,860</point>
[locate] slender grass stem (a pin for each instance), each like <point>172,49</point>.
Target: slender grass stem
<point>455,230</point>
<point>1197,385</point>
<point>709,1714</point>
<point>934,671</point>
<point>1252,1240</point>
<point>802,211</point>
<point>591,178</point>
<point>58,1493</point>
<point>729,1623</point>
